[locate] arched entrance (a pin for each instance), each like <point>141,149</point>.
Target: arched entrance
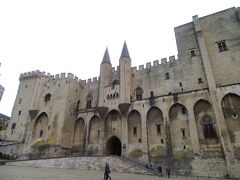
<point>114,146</point>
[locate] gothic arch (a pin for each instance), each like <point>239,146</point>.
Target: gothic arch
<point>114,146</point>
<point>231,110</point>
<point>134,127</point>
<point>155,127</point>
<point>202,110</point>
<point>40,127</point>
<point>179,127</point>
<point>113,124</point>
<point>79,132</point>
<point>94,130</point>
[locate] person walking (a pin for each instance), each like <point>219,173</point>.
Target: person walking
<point>107,172</point>
<point>168,170</point>
<point>160,170</point>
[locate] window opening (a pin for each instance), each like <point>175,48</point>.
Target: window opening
<point>222,46</point>
<point>19,113</point>
<point>193,53</point>
<point>41,133</point>
<point>200,80</point>
<point>183,110</point>
<point>135,131</point>
<point>158,129</point>
<point>167,76</point>
<point>180,84</point>
<point>161,141</point>
<point>138,92</point>
<point>13,126</point>
<point>151,94</point>
<point>89,101</point>
<point>183,132</point>
<point>47,98</point>
<point>208,128</point>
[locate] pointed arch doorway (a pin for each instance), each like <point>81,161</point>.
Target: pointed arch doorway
<point>114,146</point>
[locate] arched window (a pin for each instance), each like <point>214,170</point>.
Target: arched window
<point>89,100</point>
<point>47,98</point>
<point>138,93</point>
<point>115,82</point>
<point>208,128</point>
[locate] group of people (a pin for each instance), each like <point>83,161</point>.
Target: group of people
<point>167,169</point>
<point>107,171</point>
<point>160,170</point>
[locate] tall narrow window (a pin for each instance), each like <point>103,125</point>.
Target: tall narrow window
<point>151,94</point>
<point>13,126</point>
<point>41,134</point>
<point>47,98</point>
<point>183,132</point>
<point>89,101</point>
<point>158,129</point>
<point>138,93</point>
<point>135,131</point>
<point>222,46</point>
<point>183,110</point>
<point>167,76</point>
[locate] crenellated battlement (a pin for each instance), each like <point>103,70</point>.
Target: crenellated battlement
<point>156,63</point>
<point>53,78</point>
<point>33,75</point>
<point>114,70</point>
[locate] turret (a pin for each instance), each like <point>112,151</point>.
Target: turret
<point>125,75</point>
<point>105,77</point>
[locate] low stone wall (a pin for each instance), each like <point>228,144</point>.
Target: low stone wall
<point>11,148</point>
<point>90,163</point>
<point>213,167</point>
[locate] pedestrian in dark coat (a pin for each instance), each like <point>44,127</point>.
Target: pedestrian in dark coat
<point>107,171</point>
<point>160,170</point>
<point>168,170</point>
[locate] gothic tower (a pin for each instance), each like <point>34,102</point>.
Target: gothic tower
<point>125,75</point>
<point>105,77</point>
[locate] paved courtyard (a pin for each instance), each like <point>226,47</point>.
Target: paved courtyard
<point>30,173</point>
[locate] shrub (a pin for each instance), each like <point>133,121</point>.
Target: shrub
<point>158,152</point>
<point>183,155</point>
<point>136,153</point>
<point>40,145</point>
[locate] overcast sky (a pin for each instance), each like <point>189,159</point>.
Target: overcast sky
<point>71,35</point>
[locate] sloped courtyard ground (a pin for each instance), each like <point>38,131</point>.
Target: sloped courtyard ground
<point>30,173</point>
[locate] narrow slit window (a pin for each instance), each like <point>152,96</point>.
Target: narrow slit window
<point>158,126</point>
<point>41,134</point>
<point>183,132</point>
<point>135,131</point>
<point>167,76</point>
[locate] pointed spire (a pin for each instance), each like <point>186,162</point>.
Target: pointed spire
<point>106,58</point>
<point>125,53</point>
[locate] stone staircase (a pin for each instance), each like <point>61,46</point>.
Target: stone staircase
<point>117,164</point>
